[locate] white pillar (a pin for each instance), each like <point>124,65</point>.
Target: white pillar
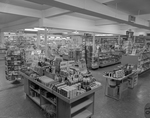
<point>2,39</point>
<point>119,40</point>
<point>93,42</point>
<point>38,39</point>
<point>46,46</point>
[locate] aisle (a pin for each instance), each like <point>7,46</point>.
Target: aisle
<point>131,106</point>
<point>14,104</point>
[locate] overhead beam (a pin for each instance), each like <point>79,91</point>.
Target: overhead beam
<point>17,10</point>
<point>79,24</point>
<point>104,22</point>
<point>103,1</point>
<point>53,12</point>
<point>21,24</point>
<point>90,7</point>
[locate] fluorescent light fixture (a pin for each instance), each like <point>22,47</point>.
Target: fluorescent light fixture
<point>76,32</point>
<point>104,35</point>
<point>65,32</point>
<point>39,28</point>
<point>58,37</point>
<point>52,37</point>
<point>33,30</point>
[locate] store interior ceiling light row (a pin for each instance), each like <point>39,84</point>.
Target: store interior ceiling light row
<point>97,16</point>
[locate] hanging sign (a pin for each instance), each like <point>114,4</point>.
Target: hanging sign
<point>131,18</point>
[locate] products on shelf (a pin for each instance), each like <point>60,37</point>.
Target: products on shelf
<point>144,62</point>
<point>120,72</point>
<point>72,80</point>
<point>14,61</point>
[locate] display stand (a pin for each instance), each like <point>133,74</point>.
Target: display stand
<point>14,61</point>
<point>123,84</point>
<point>140,60</point>
<point>81,106</point>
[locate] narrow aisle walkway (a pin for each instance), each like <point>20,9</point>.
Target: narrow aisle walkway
<point>130,106</point>
<point>14,104</point>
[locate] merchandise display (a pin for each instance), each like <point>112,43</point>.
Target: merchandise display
<point>120,72</point>
<point>144,62</point>
<point>69,82</point>
<point>109,58</point>
<point>107,51</point>
<point>75,58</point>
<point>119,80</point>
<point>14,61</point>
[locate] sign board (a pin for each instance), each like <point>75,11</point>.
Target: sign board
<point>131,18</point>
<point>64,65</point>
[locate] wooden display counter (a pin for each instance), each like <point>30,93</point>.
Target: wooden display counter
<point>122,84</point>
<point>81,106</point>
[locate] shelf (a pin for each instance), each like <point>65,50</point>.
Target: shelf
<point>107,64</point>
<point>36,100</point>
<point>80,106</point>
<point>144,71</point>
<point>83,114</point>
<point>118,78</point>
<point>35,90</point>
<point>57,94</point>
<point>44,106</point>
<point>49,100</point>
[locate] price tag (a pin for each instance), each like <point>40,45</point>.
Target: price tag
<point>147,110</point>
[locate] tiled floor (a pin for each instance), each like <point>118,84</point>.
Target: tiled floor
<point>14,104</point>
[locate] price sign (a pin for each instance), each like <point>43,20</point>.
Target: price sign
<point>147,110</point>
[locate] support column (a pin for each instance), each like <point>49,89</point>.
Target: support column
<point>2,39</point>
<point>93,42</point>
<point>38,39</point>
<point>119,40</point>
<point>46,46</point>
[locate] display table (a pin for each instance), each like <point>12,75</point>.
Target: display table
<point>81,106</point>
<point>142,61</point>
<point>122,84</point>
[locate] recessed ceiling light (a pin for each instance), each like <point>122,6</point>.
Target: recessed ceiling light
<point>39,28</point>
<point>34,30</point>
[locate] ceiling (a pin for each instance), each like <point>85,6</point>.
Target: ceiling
<point>26,4</point>
<point>7,18</point>
<point>134,7</point>
<point>129,6</point>
<point>79,15</point>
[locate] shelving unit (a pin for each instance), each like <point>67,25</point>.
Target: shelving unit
<point>14,60</point>
<point>81,106</point>
<point>144,62</point>
<point>2,53</point>
<point>36,100</point>
<point>125,82</point>
<point>141,60</point>
<point>110,59</point>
